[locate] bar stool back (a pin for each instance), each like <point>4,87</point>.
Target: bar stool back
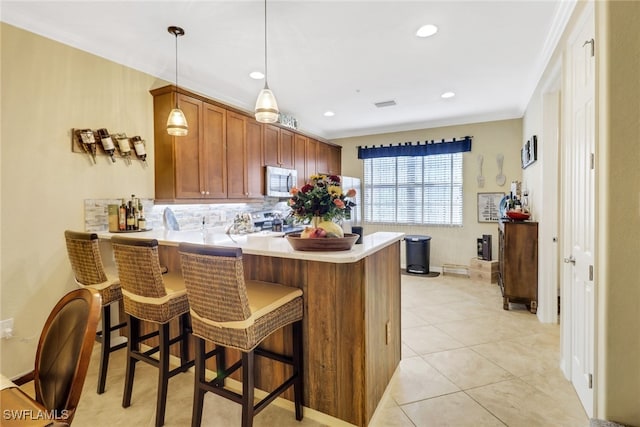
<point>156,298</point>
<point>89,272</point>
<point>231,312</point>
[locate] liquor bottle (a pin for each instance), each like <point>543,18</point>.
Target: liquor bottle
<point>107,143</point>
<point>130,220</point>
<point>142,222</point>
<point>138,145</point>
<point>122,216</point>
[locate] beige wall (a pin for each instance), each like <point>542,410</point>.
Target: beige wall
<point>618,363</point>
<point>453,245</point>
<point>48,89</point>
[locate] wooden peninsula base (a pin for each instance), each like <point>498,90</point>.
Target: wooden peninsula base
<point>351,321</point>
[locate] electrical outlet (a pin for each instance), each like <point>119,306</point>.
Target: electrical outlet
<point>6,328</point>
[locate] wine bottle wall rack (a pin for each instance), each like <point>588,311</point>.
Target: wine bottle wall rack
<point>88,141</point>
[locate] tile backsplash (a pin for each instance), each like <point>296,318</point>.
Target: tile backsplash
<point>189,216</point>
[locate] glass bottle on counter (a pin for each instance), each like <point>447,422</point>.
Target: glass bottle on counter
<point>131,220</point>
<point>107,143</point>
<point>122,216</point>
<point>142,222</point>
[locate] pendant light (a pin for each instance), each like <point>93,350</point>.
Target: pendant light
<point>266,110</point>
<point>177,122</point>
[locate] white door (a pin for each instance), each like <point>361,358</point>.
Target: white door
<point>579,210</point>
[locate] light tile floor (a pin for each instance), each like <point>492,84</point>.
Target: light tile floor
<point>465,362</point>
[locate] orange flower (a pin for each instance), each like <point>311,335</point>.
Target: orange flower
<point>339,203</point>
<point>294,191</point>
<point>351,192</point>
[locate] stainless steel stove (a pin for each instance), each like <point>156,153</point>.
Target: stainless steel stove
<point>274,221</point>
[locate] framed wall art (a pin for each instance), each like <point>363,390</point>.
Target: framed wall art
<point>489,206</point>
<point>529,152</point>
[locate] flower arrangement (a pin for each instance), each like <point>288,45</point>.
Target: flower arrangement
<point>321,197</point>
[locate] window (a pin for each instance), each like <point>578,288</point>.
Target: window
<point>425,190</point>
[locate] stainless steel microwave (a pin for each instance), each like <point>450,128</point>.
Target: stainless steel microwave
<point>280,181</point>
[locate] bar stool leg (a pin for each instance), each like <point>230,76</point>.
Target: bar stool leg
<point>184,328</point>
<point>163,375</point>
<point>247,388</point>
<point>133,345</point>
<point>198,392</point>
<point>221,366</point>
<point>105,340</point>
<point>298,385</point>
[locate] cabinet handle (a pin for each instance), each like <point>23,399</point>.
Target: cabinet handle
<point>207,193</point>
<point>570,260</point>
<point>202,192</point>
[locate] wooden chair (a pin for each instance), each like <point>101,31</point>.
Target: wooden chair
<point>63,355</point>
<point>89,272</point>
<point>157,299</point>
<point>234,313</point>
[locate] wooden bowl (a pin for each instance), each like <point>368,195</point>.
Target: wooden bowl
<point>518,215</point>
<point>325,244</point>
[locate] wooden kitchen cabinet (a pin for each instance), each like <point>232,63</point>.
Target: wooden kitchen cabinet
<point>300,159</point>
<point>278,147</point>
<point>329,159</point>
<point>311,160</point>
<point>224,154</point>
<point>518,263</point>
<point>192,166</point>
<point>244,162</point>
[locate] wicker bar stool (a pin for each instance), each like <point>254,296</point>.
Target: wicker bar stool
<point>156,298</point>
<point>231,312</point>
<point>89,272</point>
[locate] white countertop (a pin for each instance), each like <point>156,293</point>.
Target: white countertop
<point>265,243</point>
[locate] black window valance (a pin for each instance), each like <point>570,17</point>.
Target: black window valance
<point>418,149</point>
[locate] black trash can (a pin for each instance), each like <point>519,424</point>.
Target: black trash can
<point>417,254</point>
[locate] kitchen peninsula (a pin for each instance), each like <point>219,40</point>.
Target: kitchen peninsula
<point>351,313</point>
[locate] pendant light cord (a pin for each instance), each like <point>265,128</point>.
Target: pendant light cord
<point>176,34</point>
<point>266,85</point>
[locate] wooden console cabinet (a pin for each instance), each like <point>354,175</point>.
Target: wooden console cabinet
<point>518,258</point>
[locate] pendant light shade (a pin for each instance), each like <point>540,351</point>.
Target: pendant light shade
<point>177,122</point>
<point>266,110</point>
<point>266,106</point>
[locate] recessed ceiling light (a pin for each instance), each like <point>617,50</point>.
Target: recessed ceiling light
<point>448,95</point>
<point>427,30</point>
<point>329,114</point>
<point>257,75</point>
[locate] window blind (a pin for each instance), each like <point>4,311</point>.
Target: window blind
<point>420,190</point>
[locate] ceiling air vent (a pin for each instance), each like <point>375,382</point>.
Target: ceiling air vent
<point>385,104</point>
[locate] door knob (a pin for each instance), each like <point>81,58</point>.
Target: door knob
<point>570,260</point>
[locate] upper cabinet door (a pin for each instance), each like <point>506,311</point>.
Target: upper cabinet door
<point>236,155</point>
<point>311,153</point>
<point>278,147</point>
<point>286,149</point>
<point>299,158</point>
<point>270,143</point>
<point>244,157</point>
<point>189,172</point>
<point>213,157</point>
<point>255,171</point>
<point>335,160</point>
